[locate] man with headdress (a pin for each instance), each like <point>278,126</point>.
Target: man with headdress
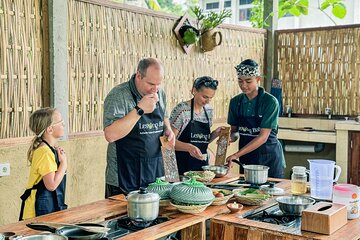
<point>253,116</point>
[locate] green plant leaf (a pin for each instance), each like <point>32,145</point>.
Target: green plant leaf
<point>325,5</point>
<point>339,10</point>
<point>295,11</point>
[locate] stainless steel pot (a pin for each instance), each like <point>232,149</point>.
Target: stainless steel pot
<point>254,174</point>
<point>44,236</point>
<point>143,207</point>
<point>294,205</point>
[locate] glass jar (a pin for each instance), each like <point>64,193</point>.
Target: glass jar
<point>298,180</point>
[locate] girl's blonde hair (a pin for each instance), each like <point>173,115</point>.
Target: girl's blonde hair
<point>39,121</point>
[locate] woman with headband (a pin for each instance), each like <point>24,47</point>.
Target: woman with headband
<point>191,122</point>
<point>253,116</point>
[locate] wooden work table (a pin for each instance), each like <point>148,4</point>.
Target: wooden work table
<point>192,226</point>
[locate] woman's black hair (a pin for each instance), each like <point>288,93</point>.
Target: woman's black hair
<point>205,81</point>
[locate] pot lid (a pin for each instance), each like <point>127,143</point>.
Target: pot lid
<point>143,196</point>
<point>191,192</point>
<point>271,189</point>
<point>160,187</point>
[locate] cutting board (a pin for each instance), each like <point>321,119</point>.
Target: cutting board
<point>223,143</point>
<point>324,217</point>
<point>169,159</point>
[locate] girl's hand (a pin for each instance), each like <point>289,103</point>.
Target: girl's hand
<point>195,152</point>
<point>230,158</point>
<point>62,156</point>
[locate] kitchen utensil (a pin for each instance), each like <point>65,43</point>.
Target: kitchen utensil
<point>43,236</point>
<point>294,205</point>
<point>160,187</point>
<point>93,229</point>
<point>69,232</point>
<point>271,189</point>
<point>219,170</point>
<point>322,178</point>
<point>222,145</point>
<point>169,159</point>
<point>323,217</point>
<point>6,235</point>
<point>348,195</point>
<point>143,207</point>
<point>191,192</point>
<point>255,174</point>
<point>221,196</point>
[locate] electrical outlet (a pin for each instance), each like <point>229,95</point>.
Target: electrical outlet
<point>4,169</point>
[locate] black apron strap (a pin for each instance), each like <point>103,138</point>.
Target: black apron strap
<point>23,198</point>
<point>55,199</point>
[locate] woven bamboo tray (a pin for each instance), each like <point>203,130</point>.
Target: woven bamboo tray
<point>201,176</point>
<point>243,199</point>
<point>222,200</point>
<point>191,208</point>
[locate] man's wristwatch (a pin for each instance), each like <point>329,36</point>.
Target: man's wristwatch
<point>139,111</point>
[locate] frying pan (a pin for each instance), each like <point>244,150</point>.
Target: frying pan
<point>70,232</point>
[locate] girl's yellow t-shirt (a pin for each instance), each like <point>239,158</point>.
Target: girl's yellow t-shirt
<point>43,163</point>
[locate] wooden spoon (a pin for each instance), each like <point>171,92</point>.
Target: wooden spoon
<point>93,229</point>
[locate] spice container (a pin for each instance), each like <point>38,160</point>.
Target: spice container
<point>348,195</point>
<point>298,180</point>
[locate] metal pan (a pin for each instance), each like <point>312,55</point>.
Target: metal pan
<point>69,232</point>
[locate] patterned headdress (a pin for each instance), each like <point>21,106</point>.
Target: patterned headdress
<point>248,68</point>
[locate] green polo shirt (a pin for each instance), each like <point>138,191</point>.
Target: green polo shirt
<point>240,105</point>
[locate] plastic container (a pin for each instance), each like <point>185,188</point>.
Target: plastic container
<point>348,194</point>
<point>298,180</point>
<point>322,178</point>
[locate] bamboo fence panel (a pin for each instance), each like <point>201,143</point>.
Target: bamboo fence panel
<point>20,64</point>
<point>106,43</point>
<point>320,68</point>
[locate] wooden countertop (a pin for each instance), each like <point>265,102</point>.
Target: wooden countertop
<point>116,206</point>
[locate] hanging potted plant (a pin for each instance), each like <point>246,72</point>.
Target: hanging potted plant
<point>207,23</point>
<point>189,34</point>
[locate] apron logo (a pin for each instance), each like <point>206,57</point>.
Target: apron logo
<point>249,131</point>
<point>196,137</point>
<point>151,125</point>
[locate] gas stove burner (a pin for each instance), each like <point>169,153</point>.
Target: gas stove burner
<point>274,215</point>
<point>124,225</point>
<point>127,223</point>
<point>241,180</point>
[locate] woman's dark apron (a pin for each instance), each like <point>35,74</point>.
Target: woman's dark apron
<point>139,153</point>
<point>198,134</point>
<point>46,201</point>
<point>268,154</point>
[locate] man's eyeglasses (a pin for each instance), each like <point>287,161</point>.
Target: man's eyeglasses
<point>207,82</point>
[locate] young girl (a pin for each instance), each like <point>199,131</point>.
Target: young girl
<point>45,190</point>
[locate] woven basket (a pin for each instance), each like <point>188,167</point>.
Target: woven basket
<point>164,202</point>
<point>201,176</point>
<point>222,200</point>
<point>246,200</point>
<point>190,209</point>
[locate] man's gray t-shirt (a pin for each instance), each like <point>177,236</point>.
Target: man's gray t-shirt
<point>118,103</point>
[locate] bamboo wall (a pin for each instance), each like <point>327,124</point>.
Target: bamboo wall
<point>107,42</point>
<point>320,68</point>
<point>21,57</point>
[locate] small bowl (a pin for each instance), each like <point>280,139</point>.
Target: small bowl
<point>234,209</point>
<point>219,170</point>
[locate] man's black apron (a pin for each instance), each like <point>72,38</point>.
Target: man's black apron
<point>46,201</point>
<point>139,153</point>
<point>268,154</point>
<point>198,134</point>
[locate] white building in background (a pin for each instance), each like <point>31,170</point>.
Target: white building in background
<point>241,12</point>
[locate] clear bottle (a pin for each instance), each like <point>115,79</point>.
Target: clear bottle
<point>348,194</point>
<point>298,180</point>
